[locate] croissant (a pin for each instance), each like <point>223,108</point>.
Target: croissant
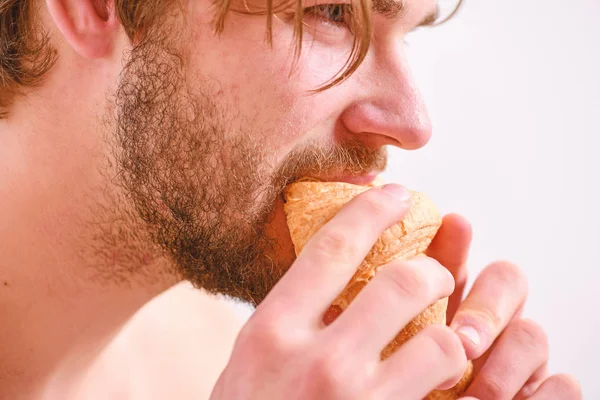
<point>309,204</point>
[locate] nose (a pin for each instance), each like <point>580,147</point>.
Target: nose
<point>390,110</point>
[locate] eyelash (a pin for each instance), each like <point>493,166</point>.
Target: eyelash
<point>327,12</point>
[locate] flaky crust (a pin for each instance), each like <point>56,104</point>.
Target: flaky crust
<point>311,204</point>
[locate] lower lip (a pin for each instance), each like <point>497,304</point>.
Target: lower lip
<point>356,180</point>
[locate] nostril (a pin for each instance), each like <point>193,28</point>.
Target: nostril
<point>377,140</point>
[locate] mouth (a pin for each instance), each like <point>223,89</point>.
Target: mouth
<point>364,180</point>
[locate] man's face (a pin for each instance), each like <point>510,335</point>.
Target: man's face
<point>208,129</point>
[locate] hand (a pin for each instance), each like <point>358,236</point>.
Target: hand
<point>510,353</point>
<point>286,352</point>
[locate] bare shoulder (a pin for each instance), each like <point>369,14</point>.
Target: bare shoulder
<point>178,344</point>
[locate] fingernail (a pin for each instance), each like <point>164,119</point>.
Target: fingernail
<point>470,333</point>
<point>398,191</point>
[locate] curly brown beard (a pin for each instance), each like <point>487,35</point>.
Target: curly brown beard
<point>205,189</point>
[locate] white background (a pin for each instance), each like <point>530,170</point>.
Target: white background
<point>513,89</point>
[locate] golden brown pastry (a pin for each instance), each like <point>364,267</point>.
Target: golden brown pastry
<point>310,204</point>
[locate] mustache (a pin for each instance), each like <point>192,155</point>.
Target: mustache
<point>348,158</point>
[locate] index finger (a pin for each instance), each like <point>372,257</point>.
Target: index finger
<point>330,258</point>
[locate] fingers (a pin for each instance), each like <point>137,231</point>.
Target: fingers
<point>333,254</point>
<point>533,383</point>
<point>396,295</point>
<point>433,359</point>
<point>563,387</point>
<point>451,248</point>
<point>497,295</point>
<point>518,354</point>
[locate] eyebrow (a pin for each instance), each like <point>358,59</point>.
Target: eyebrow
<point>394,8</point>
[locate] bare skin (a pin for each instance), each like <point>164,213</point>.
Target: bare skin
<point>129,169</point>
<point>163,338</point>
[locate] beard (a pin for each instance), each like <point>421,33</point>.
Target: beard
<point>206,189</point>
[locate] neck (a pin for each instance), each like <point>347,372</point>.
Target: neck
<point>74,263</point>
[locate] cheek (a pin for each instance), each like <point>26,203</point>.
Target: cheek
<point>254,85</point>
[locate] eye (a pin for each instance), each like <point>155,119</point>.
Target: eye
<point>332,14</point>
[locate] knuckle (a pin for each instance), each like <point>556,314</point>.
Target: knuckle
<point>423,279</point>
<point>329,376</point>
<point>449,346</point>
<point>376,202</point>
<point>445,283</point>
<point>336,245</point>
<point>493,387</point>
<point>263,337</point>
<point>325,372</point>
<point>489,317</point>
<point>531,335</point>
<point>407,282</point>
<point>509,274</point>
